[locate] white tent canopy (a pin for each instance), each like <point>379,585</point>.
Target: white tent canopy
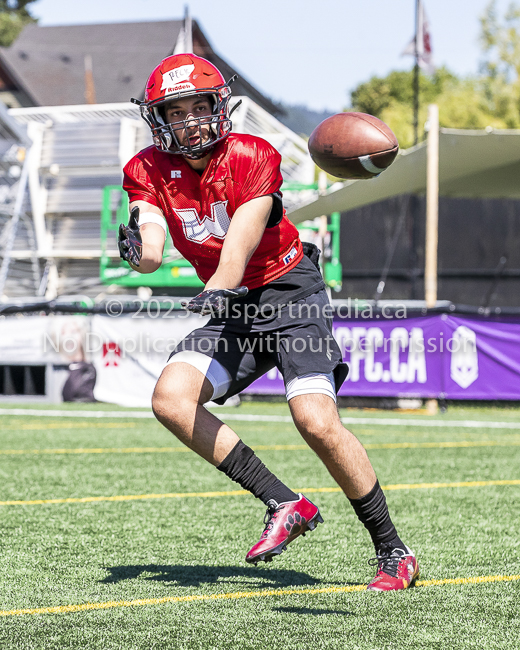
<point>472,164</point>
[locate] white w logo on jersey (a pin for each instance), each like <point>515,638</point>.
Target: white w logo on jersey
<point>199,230</point>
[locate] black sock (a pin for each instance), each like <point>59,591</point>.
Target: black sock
<point>373,513</point>
<point>246,469</point>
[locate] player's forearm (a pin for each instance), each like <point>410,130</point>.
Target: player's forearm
<point>228,275</point>
<point>234,258</point>
<point>151,259</point>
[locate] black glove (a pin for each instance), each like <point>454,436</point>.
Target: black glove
<point>129,239</point>
<point>215,301</point>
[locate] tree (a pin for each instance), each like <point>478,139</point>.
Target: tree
<point>379,94</point>
<point>14,16</point>
<point>461,102</point>
<point>500,67</point>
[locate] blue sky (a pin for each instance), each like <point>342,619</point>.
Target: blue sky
<point>303,51</point>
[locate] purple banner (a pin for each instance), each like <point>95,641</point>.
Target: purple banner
<point>440,356</point>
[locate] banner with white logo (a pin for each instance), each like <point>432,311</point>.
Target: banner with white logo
<point>130,352</point>
<point>440,356</point>
<point>443,355</point>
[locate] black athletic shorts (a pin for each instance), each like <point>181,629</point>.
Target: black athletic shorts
<point>295,336</point>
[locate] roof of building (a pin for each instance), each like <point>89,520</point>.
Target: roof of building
<point>48,63</point>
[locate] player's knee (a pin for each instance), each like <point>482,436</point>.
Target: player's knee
<point>167,400</point>
<point>176,396</point>
<point>161,405</point>
<point>314,426</point>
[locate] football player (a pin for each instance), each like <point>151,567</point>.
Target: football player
<point>218,194</point>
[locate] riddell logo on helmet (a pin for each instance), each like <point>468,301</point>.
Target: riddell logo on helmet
<point>179,87</point>
<point>176,76</point>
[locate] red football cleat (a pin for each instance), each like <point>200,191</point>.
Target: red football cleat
<point>396,569</point>
<point>283,525</point>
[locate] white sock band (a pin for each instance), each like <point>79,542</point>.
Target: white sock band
<point>213,370</point>
<point>314,382</point>
<point>151,217</point>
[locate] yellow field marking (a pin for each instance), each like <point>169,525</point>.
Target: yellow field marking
<point>101,450</point>
<point>65,609</point>
<point>184,495</point>
<point>422,486</point>
<point>159,450</point>
<point>466,581</point>
<point>443,445</point>
<point>125,497</point>
<point>137,450</point>
<point>70,425</point>
<point>473,435</point>
<point>426,486</point>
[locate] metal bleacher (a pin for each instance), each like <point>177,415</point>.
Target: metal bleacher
<point>16,228</point>
<point>74,152</point>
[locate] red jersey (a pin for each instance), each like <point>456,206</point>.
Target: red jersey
<point>199,209</point>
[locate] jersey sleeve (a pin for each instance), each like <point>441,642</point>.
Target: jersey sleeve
<point>137,183</point>
<point>262,175</point>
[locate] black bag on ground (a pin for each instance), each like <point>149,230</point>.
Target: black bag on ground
<point>80,383</point>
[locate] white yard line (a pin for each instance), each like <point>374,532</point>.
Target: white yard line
<point>399,422</point>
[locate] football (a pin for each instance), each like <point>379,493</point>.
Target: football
<point>353,145</point>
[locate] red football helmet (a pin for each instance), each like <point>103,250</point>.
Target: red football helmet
<point>177,77</point>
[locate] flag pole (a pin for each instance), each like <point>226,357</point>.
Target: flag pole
<point>90,88</point>
<point>432,208</point>
<point>416,77</point>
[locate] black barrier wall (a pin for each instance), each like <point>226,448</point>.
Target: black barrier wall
<point>479,250</point>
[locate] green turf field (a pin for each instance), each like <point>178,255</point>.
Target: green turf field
<point>114,536</point>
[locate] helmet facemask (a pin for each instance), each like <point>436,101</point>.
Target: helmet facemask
<point>168,137</point>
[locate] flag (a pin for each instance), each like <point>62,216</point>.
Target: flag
<point>424,42</point>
